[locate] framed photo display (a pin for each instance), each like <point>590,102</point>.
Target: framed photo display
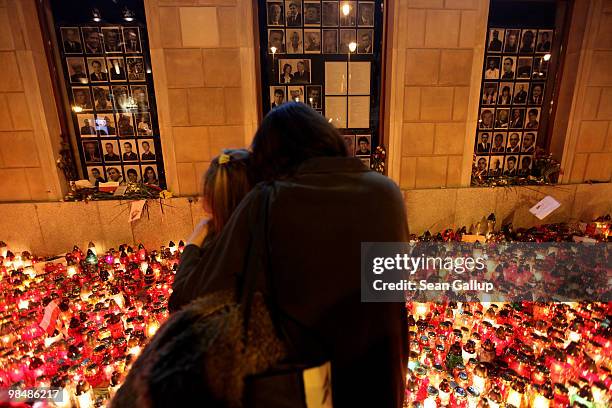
<point>326,54</point>
<point>107,73</point>
<point>514,79</point>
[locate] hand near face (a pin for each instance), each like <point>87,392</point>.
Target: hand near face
<point>199,233</point>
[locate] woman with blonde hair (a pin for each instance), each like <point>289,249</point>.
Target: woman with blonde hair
<point>225,184</point>
<point>170,372</point>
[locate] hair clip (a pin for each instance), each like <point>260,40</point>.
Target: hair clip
<point>224,158</point>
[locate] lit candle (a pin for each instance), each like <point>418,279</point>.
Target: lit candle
<point>421,310</point>
<point>432,397</point>
<point>515,395</point>
<point>152,327</point>
<point>171,245</point>
<point>135,351</point>
<point>540,401</point>
<point>85,399</point>
<point>444,392</point>
<point>473,397</point>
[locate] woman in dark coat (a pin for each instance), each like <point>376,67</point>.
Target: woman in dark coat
<point>323,206</point>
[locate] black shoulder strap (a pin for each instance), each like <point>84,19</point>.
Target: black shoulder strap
<point>256,259</point>
<point>257,272</point>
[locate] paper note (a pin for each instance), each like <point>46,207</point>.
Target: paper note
<point>317,386</point>
<point>589,240</point>
<point>335,78</point>
<point>359,78</point>
<point>473,238</point>
<point>120,191</point>
<point>335,110</point>
<point>49,318</point>
<point>136,210</point>
<point>83,184</point>
<point>543,208</point>
<point>359,112</point>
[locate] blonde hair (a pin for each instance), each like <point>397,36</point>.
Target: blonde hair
<point>225,184</point>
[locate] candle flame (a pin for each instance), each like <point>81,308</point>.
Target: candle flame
<point>135,351</point>
<point>71,271</point>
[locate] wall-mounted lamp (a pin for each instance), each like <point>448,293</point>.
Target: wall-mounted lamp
<point>128,15</point>
<point>346,9</point>
<point>95,15</point>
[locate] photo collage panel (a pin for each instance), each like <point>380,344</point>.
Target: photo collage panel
<point>111,103</point>
<point>322,53</point>
<point>514,80</point>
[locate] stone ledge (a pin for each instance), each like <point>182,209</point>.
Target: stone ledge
<point>48,228</point>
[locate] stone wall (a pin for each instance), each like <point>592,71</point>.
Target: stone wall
<point>588,147</point>
<point>204,67</point>
<point>204,73</point>
<point>53,228</point>
<point>437,51</point>
<point>29,128</point>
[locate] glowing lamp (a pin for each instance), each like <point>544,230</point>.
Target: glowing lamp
<point>128,15</point>
<point>346,9</point>
<point>95,15</point>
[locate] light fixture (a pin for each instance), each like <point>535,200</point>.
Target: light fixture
<point>352,46</point>
<point>77,109</point>
<point>346,9</point>
<point>128,15</point>
<point>273,49</point>
<point>547,57</point>
<point>96,16</point>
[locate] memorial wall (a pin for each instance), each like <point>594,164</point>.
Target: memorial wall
<point>206,76</point>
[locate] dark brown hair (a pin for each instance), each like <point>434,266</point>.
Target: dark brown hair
<point>289,135</point>
<point>226,182</point>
